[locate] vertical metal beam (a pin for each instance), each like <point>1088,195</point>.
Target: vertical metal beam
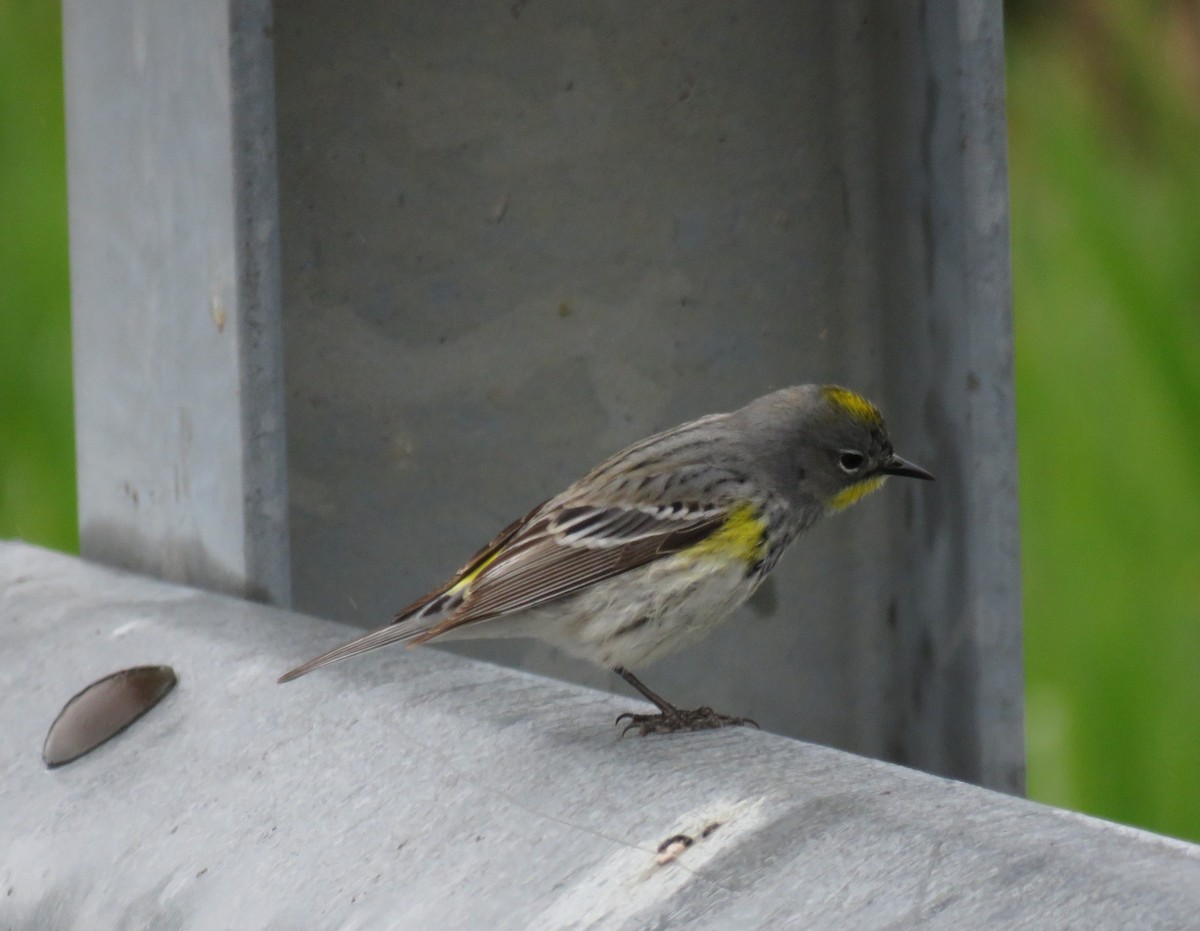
<point>954,688</point>
<point>518,237</point>
<point>175,290</point>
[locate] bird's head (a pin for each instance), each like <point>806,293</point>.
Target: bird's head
<point>823,445</point>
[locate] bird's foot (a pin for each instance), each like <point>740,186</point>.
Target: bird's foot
<point>671,719</point>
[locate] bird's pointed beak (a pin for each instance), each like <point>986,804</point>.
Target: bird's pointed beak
<point>897,466</point>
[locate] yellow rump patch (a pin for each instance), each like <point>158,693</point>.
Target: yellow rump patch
<point>472,572</point>
<point>853,404</point>
<point>847,496</point>
<point>741,536</point>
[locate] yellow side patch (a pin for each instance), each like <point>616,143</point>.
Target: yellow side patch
<point>740,537</point>
<point>847,496</point>
<point>853,404</point>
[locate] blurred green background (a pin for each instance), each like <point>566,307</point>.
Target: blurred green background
<point>1104,123</point>
<point>37,445</point>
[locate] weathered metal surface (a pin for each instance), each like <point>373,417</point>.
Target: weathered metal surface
<point>175,291</point>
<point>516,237</point>
<point>416,789</point>
<point>519,236</point>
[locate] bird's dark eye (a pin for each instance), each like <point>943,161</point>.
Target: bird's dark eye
<point>850,461</point>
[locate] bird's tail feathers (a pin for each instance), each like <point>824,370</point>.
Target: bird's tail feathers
<point>396,632</point>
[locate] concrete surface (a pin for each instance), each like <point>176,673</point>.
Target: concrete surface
<point>417,789</point>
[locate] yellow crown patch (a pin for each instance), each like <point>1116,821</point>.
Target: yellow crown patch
<point>853,404</point>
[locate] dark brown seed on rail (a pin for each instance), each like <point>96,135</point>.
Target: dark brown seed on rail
<point>103,710</point>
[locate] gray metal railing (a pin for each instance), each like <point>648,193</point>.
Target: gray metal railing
<point>356,285</point>
<point>414,789</point>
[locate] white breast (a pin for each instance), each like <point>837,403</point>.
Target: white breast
<point>635,618</point>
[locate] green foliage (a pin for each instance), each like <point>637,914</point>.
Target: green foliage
<point>37,449</point>
<point>1104,124</point>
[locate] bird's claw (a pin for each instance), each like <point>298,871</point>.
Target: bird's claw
<point>679,719</point>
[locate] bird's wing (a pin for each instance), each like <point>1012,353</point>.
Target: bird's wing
<point>544,556</point>
<point>560,553</point>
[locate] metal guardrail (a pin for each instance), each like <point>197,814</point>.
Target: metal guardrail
<point>418,789</point>
<point>478,250</point>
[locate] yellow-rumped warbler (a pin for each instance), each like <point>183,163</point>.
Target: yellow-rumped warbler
<point>653,548</point>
